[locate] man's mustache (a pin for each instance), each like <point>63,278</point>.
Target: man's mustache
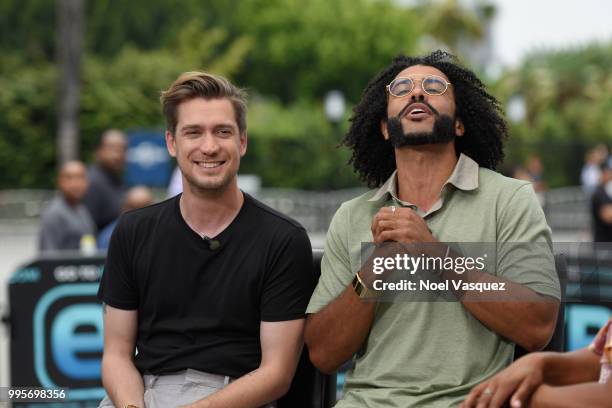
<point>408,105</point>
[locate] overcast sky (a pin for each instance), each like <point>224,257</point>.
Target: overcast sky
<point>524,25</point>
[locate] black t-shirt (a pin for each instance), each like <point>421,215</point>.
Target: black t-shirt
<point>200,308</point>
<point>602,231</point>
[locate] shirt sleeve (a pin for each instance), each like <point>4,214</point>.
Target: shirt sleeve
<point>290,280</point>
<point>336,271</point>
<point>524,244</point>
<point>117,286</point>
<point>50,234</point>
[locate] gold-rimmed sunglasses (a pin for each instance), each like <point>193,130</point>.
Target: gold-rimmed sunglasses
<point>430,84</point>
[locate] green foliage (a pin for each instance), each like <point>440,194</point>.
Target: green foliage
<point>309,48</point>
<point>125,91</point>
<point>120,92</point>
<point>568,97</point>
<point>27,124</point>
<point>27,27</point>
<point>295,146</point>
<point>287,53</point>
<point>149,25</point>
<point>449,22</point>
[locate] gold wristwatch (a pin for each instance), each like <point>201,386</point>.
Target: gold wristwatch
<point>361,289</point>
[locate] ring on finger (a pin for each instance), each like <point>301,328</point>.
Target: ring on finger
<point>393,208</point>
<point>487,391</point>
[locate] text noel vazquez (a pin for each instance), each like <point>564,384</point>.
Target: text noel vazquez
<point>426,285</point>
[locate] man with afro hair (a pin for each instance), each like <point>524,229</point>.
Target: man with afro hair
<point>426,137</point>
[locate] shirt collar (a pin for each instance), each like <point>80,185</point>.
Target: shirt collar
<point>464,177</point>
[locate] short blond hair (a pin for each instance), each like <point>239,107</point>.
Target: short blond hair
<point>196,84</point>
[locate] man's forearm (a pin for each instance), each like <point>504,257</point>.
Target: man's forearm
<point>337,332</point>
<point>592,395</point>
<point>252,390</point>
<point>517,313</point>
<point>122,381</point>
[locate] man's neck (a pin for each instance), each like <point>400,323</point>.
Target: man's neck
<point>110,173</point>
<point>70,202</point>
<point>210,212</point>
<point>422,171</point>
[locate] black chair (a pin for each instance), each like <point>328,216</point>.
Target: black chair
<point>310,388</point>
<point>557,342</point>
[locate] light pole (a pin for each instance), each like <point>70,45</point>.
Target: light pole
<point>335,106</point>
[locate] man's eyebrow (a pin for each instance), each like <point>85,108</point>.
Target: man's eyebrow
<point>225,125</point>
<point>190,127</point>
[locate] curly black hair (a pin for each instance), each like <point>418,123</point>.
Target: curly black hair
<point>485,128</point>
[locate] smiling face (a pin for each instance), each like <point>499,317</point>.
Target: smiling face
<point>418,111</point>
<point>207,143</point>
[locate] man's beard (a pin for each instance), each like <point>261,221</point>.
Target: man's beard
<point>443,132</point>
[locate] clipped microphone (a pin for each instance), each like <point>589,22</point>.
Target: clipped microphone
<point>213,244</point>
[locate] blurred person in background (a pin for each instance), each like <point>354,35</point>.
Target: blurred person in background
<point>105,193</point>
<point>210,286</point>
<point>591,171</point>
<point>65,222</point>
<point>519,172</point>
<point>427,136</point>
<point>601,205</point>
<point>581,378</point>
<point>136,197</point>
<point>533,173</point>
<point>535,170</point>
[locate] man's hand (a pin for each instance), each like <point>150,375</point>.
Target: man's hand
<point>281,346</point>
<point>400,224</point>
<point>520,380</point>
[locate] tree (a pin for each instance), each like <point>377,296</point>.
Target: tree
<point>288,54</point>
<point>448,22</point>
<point>309,48</point>
<point>568,97</point>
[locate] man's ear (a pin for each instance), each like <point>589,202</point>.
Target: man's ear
<point>459,128</point>
<point>383,129</point>
<point>243,143</point>
<point>170,143</point>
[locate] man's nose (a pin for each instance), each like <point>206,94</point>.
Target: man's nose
<point>417,92</point>
<point>209,145</point>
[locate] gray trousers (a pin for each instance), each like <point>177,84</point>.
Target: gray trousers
<point>181,388</point>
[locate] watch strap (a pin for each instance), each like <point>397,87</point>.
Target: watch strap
<point>361,289</point>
